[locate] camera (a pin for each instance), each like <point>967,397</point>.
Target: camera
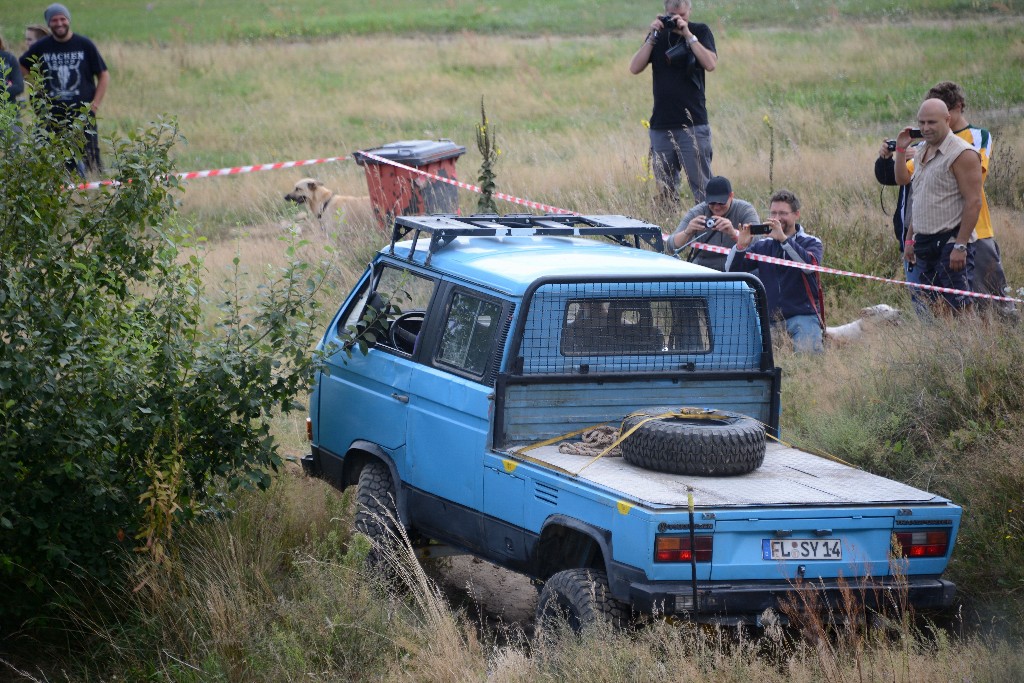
<point>760,229</point>
<point>681,57</point>
<point>915,133</point>
<point>890,145</point>
<point>709,222</point>
<point>668,21</point>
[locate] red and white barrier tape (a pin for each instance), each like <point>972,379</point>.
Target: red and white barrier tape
<point>832,271</point>
<point>709,247</point>
<point>473,188</point>
<point>233,170</point>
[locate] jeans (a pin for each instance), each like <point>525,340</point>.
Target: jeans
<point>989,277</point>
<point>912,273</point>
<point>91,161</point>
<point>934,270</point>
<point>988,268</point>
<point>686,149</point>
<point>805,331</point>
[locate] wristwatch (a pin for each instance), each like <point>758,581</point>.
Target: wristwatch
<point>960,247</point>
<point>692,40</point>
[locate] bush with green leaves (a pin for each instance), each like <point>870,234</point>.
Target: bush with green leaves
<point>125,406</point>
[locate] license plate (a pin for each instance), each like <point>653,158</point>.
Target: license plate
<point>801,549</point>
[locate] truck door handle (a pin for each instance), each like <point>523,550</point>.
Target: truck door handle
<point>401,398</point>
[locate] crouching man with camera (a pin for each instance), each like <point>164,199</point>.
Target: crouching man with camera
<point>679,52</point>
<point>794,296</point>
<point>713,221</point>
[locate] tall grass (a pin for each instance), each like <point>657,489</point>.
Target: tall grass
<point>278,592</point>
<point>938,406</point>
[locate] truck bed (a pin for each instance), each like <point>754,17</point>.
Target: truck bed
<point>788,477</point>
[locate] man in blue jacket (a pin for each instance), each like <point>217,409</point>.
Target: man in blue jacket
<point>794,295</point>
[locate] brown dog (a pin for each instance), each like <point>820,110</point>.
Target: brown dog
<point>327,210</point>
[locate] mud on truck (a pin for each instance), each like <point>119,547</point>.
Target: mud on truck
<point>516,337</point>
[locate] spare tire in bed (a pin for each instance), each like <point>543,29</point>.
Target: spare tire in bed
<point>716,443</point>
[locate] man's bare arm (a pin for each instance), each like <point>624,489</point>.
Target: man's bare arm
<point>641,59</point>
<point>101,90</point>
<point>707,57</point>
<point>967,170</point>
<point>900,158</point>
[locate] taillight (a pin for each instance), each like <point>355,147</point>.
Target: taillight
<point>923,543</point>
<point>309,429</point>
<point>677,548</point>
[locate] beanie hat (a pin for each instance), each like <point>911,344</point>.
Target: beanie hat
<point>55,9</point>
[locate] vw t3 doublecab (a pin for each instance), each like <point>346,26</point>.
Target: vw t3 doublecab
<point>468,367</point>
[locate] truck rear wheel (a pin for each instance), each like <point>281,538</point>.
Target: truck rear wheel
<point>727,445</point>
<point>581,597</point>
<point>376,516</point>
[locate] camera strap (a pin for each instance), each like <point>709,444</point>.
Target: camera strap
<point>817,302</point>
<point>699,238</point>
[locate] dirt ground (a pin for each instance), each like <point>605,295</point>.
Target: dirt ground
<point>491,594</point>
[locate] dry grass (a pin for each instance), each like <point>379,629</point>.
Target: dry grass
<point>568,114</point>
<point>568,118</point>
<point>277,592</point>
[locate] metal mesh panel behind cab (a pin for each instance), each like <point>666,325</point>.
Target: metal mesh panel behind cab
<point>578,328</point>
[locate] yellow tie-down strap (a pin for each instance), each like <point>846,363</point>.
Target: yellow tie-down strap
<point>685,412</point>
<point>688,413</point>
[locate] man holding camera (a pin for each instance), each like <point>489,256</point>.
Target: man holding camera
<point>947,194</point>
<point>680,52</point>
<point>885,174</point>
<point>713,221</point>
<point>794,295</point>
<point>988,276</point>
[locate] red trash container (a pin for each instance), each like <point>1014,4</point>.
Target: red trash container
<point>398,192</point>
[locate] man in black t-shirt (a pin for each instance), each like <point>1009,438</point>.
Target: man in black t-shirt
<point>680,52</point>
<point>75,74</point>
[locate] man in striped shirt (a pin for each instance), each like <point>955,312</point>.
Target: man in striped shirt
<point>947,194</point>
<point>988,277</point>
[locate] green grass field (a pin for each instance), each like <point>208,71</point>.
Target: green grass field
<point>225,20</point>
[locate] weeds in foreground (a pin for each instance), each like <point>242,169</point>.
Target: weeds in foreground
<point>487,144</point>
<point>278,591</point>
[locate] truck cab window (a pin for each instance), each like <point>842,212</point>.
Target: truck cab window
<point>470,333</point>
<point>407,296</point>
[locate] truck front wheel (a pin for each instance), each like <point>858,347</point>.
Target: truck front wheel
<point>377,516</point>
<point>581,597</point>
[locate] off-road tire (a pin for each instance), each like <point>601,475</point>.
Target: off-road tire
<point>580,597</point>
<point>376,513</point>
<point>732,445</point>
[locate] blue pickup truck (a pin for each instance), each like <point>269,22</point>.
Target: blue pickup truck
<point>493,346</point>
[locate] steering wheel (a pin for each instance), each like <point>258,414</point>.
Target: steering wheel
<point>404,330</point>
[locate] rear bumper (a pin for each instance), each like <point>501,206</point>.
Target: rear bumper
<point>311,463</point>
<point>745,602</point>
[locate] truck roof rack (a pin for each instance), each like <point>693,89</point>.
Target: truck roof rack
<point>443,228</point>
